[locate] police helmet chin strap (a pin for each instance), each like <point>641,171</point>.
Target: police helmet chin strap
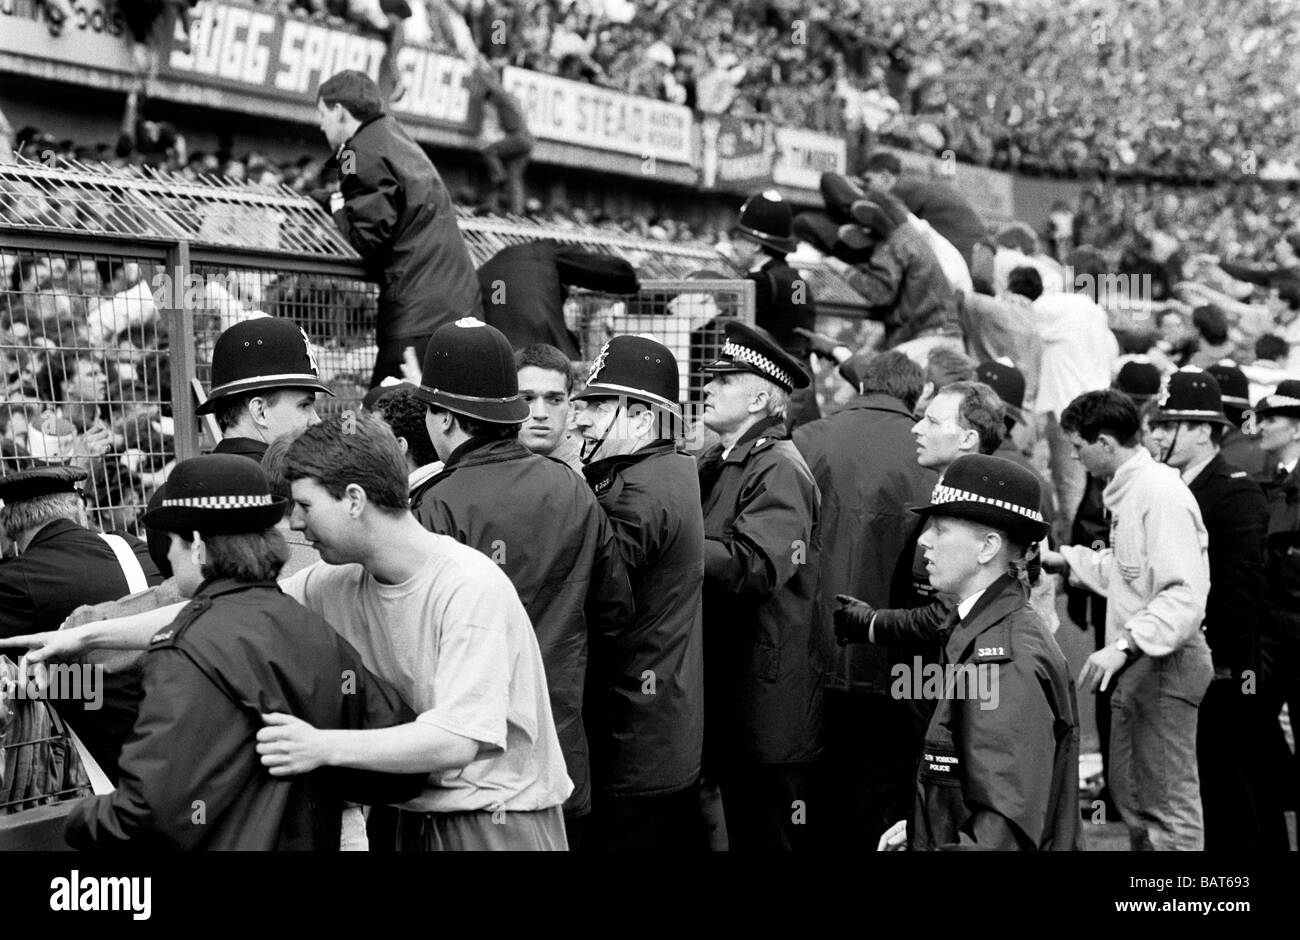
<point>587,456</point>
<point>1169,451</point>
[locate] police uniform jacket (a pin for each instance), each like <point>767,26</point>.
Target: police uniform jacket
<point>1236,516</point>
<point>764,655</point>
<point>191,777</point>
<point>64,567</point>
<point>1282,603</point>
<point>863,459</point>
<point>783,300</point>
<point>649,738</point>
<point>1007,776</point>
<point>398,216</point>
<point>541,523</point>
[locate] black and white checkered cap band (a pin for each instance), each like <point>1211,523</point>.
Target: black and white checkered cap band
<point>755,358</point>
<point>221,502</point>
<point>950,494</point>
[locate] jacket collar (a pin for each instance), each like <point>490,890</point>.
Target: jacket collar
<point>243,446</point>
<point>1208,472</point>
<point>989,615</point>
<point>347,144</point>
<point>878,401</point>
<point>52,530</point>
<point>600,473</point>
<point>216,587</point>
<point>484,450</point>
<point>769,429</point>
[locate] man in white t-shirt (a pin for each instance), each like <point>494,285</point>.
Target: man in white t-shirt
<point>438,620</point>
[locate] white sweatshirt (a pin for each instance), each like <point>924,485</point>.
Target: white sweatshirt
<point>1156,574</point>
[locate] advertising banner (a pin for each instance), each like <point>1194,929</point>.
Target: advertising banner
<point>588,116</point>
<point>803,156</point>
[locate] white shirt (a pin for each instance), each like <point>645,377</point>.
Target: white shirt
<point>964,607</point>
<point>1193,470</point>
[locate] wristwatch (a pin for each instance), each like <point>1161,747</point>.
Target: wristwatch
<point>1128,648</point>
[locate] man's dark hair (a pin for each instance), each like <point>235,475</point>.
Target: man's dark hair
<point>352,448</point>
<point>1103,412</point>
<point>979,409</point>
<point>1211,323</point>
<point>249,556</point>
<point>485,429</point>
<point>356,91</point>
<point>274,462</point>
<point>1025,281</point>
<point>1272,347</point>
<point>885,162</point>
<point>546,356</point>
<point>405,415</point>
<point>892,373</point>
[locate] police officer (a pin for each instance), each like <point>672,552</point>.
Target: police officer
<point>1000,765</point>
<point>1239,449</point>
<point>1189,426</point>
<point>191,777</point>
<point>532,515</point>
<point>763,655</point>
<point>1278,416</point>
<point>645,697</point>
<point>783,300</point>
<point>264,385</point>
<point>63,564</point>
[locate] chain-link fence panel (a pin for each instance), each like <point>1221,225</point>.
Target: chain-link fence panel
<point>687,316</point>
<point>87,376</point>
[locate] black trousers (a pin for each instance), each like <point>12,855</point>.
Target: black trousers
<point>638,822</point>
<point>769,807</point>
<point>869,766</point>
<point>389,360</point>
<point>1238,799</point>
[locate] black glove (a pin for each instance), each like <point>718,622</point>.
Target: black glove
<point>852,620</point>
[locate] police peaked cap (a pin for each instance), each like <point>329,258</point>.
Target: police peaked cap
<point>1284,402</point>
<point>992,491</point>
<point>258,354</point>
<point>42,481</point>
<point>753,349</point>
<point>219,494</point>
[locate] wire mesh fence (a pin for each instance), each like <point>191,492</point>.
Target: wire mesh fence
<point>336,311</point>
<point>87,378</point>
<point>686,315</point>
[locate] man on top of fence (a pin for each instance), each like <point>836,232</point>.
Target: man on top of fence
<point>393,208</point>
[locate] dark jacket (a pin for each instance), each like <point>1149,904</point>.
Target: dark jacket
<point>191,777</point>
<point>1244,453</point>
<point>864,461</point>
<point>1281,628</point>
<point>646,682</point>
<point>64,567</point>
<point>783,300</point>
<point>905,287</point>
<point>524,288</point>
<point>764,657</point>
<point>1236,517</point>
<point>1006,776</point>
<point>945,209</point>
<point>539,521</point>
<point>399,218</point>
